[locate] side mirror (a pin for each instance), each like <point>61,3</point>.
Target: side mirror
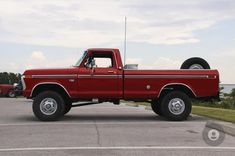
<point>90,63</point>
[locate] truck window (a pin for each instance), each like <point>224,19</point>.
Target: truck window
<point>81,58</point>
<point>103,62</point>
<point>100,60</point>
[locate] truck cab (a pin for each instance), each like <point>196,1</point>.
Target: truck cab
<point>100,74</point>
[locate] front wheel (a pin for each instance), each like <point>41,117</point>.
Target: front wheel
<point>68,107</point>
<point>176,106</point>
<point>48,106</point>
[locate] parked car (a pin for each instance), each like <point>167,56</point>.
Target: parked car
<point>99,76</point>
<point>18,88</point>
<point>7,90</point>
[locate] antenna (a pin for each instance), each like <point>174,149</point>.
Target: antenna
<point>125,41</point>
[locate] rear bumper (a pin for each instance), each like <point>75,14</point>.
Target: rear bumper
<point>210,98</point>
<point>217,97</point>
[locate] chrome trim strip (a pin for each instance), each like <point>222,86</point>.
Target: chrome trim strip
<point>143,76</point>
<point>55,83</point>
<point>55,76</point>
<point>166,76</point>
<point>171,69</point>
<point>168,84</point>
<point>119,76</point>
<point>23,82</point>
<point>99,76</point>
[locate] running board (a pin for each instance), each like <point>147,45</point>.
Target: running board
<point>85,104</point>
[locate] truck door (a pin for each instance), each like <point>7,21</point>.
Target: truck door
<point>99,78</point>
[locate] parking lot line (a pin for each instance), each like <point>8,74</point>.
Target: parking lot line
<point>115,148</point>
<point>90,123</point>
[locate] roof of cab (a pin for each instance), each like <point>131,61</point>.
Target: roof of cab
<point>103,49</point>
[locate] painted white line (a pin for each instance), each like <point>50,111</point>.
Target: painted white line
<point>97,123</point>
<point>114,148</point>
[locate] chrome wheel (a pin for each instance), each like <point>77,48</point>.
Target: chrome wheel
<point>176,106</point>
<point>196,66</point>
<point>48,106</point>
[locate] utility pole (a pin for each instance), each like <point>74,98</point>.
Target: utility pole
<point>125,41</point>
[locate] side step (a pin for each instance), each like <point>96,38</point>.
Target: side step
<point>85,104</point>
<point>94,102</point>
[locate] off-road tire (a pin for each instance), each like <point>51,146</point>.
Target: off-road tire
<point>38,111</point>
<point>170,99</point>
<point>156,107</point>
<point>189,63</point>
<point>68,107</point>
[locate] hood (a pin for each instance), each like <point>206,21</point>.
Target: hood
<point>56,71</point>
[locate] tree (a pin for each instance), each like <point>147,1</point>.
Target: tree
<point>9,78</point>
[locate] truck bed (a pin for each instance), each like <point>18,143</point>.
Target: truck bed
<point>201,82</point>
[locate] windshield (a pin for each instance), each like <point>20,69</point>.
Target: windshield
<point>80,60</point>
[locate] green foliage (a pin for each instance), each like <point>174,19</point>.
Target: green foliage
<point>232,94</point>
<point>228,102</point>
<point>9,78</point>
<point>221,88</point>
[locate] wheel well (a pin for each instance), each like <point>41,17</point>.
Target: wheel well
<point>177,87</point>
<point>50,87</point>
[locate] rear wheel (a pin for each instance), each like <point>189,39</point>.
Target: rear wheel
<point>48,106</point>
<point>156,107</point>
<point>11,94</point>
<point>195,63</point>
<point>176,106</point>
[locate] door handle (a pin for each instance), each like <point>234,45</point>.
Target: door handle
<point>111,71</point>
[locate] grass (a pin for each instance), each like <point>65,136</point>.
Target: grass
<point>207,111</point>
<point>216,113</point>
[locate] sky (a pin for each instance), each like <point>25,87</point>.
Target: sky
<point>161,34</point>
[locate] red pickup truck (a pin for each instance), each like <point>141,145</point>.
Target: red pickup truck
<point>7,90</point>
<point>99,75</point>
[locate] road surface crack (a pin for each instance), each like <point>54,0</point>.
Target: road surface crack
<point>98,134</point>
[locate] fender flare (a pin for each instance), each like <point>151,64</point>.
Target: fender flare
<point>181,84</point>
<point>50,83</point>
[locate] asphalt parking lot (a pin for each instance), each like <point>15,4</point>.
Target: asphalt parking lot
<point>103,129</point>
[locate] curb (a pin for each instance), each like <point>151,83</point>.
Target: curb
<point>148,108</point>
<point>227,127</point>
<point>132,104</point>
